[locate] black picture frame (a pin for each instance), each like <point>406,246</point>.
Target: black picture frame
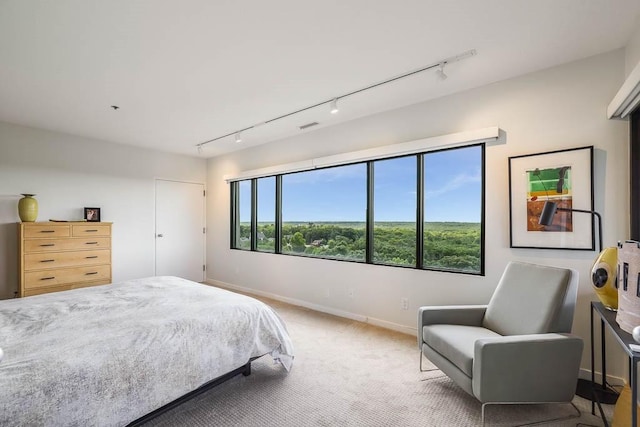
<point>532,182</point>
<point>92,214</point>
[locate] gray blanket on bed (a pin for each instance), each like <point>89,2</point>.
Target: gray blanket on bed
<point>108,355</point>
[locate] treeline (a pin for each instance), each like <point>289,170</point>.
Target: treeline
<point>447,245</point>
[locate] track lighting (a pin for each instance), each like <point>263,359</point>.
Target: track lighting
<point>439,66</point>
<point>334,106</point>
<point>440,72</point>
<point>199,149</point>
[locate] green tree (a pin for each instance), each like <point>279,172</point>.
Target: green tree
<point>297,242</point>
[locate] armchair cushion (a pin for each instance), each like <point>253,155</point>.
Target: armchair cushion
<point>456,343</point>
<point>527,300</point>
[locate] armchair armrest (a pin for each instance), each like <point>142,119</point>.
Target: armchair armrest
<point>470,315</point>
<point>526,368</point>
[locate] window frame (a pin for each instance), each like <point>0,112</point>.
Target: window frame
<point>370,214</point>
<point>483,182</point>
<point>235,216</point>
<point>275,219</point>
<point>279,209</point>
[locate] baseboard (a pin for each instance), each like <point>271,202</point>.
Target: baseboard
<point>393,326</point>
<point>585,374</point>
<point>292,301</point>
<point>316,307</point>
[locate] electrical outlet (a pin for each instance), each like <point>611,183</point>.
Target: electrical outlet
<point>327,293</point>
<point>404,303</point>
<point>350,292</point>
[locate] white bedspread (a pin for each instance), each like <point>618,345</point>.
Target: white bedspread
<point>110,354</point>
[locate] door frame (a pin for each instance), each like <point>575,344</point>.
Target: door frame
<point>204,224</point>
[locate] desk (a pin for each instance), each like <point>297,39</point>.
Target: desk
<point>608,319</point>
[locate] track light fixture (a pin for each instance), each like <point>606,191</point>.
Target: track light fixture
<point>334,106</point>
<point>334,101</point>
<point>440,71</point>
<point>238,138</point>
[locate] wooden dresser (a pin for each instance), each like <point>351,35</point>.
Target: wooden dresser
<point>58,256</point>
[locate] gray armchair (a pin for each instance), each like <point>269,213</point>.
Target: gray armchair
<point>516,349</point>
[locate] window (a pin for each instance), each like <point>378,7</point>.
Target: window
<point>453,209</point>
<point>394,201</point>
<point>266,205</point>
<point>243,216</point>
<point>422,211</point>
<point>324,212</point>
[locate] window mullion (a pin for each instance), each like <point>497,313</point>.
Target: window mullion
<point>278,232</point>
<point>254,214</point>
<point>235,220</point>
<point>482,206</point>
<point>420,211</point>
<point>370,215</point>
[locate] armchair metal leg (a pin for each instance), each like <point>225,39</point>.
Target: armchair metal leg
<point>425,370</point>
<point>567,417</point>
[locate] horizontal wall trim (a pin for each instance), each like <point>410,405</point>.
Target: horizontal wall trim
<point>316,307</point>
<point>490,136</point>
<point>393,326</point>
<point>585,374</point>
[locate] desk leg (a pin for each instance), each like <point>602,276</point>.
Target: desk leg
<point>593,370</point>
<point>604,357</point>
<point>603,346</point>
<point>634,392</point>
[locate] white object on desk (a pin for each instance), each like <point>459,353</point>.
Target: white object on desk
<point>634,347</point>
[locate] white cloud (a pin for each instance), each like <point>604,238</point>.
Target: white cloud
<point>455,183</point>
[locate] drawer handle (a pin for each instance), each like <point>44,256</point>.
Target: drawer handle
<point>90,231</point>
<point>89,274</point>
<point>48,278</point>
<point>91,257</point>
<point>47,260</point>
<point>48,244</point>
<point>91,243</point>
<point>47,231</point>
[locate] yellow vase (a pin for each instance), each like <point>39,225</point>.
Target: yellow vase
<point>603,277</point>
<point>622,410</point>
<point>28,208</point>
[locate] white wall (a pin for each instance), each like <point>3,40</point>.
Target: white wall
<point>68,173</point>
<point>632,50</point>
<point>558,108</point>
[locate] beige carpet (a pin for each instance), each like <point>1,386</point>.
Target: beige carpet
<point>347,373</point>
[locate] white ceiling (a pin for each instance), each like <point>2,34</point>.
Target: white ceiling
<point>187,71</point>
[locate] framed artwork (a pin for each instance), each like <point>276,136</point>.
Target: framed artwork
<point>564,177</point>
<point>92,214</point>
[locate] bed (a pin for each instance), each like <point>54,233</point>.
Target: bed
<point>110,355</point>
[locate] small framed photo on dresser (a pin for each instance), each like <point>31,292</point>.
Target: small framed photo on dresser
<point>92,214</point>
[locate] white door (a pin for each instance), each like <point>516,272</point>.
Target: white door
<point>180,238</point>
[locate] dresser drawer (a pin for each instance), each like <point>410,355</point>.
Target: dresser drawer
<point>49,289</point>
<point>62,276</point>
<point>55,245</point>
<point>46,230</point>
<point>85,230</point>
<point>45,260</point>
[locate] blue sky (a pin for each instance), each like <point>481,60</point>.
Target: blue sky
<point>452,191</point>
